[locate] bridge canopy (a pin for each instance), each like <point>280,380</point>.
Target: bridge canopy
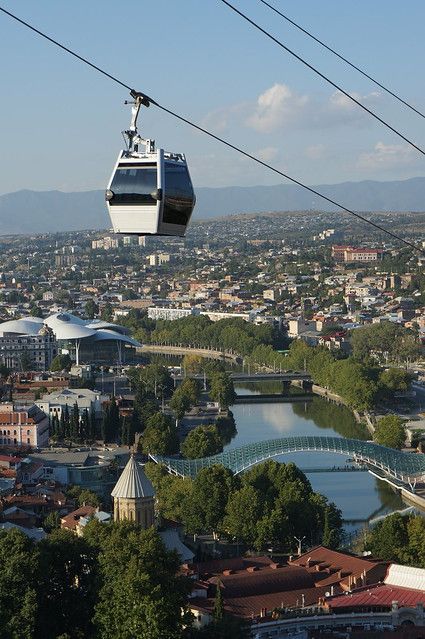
<point>403,466</point>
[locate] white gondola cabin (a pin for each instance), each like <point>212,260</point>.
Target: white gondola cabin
<point>150,191</point>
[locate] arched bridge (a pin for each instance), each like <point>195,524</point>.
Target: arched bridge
<point>406,467</point>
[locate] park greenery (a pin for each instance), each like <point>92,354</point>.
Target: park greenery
<point>398,538</point>
<point>357,379</point>
<point>389,431</point>
<point>116,582</point>
<point>360,384</point>
<point>269,504</point>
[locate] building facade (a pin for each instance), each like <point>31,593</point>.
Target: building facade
<point>19,352</point>
<point>29,427</point>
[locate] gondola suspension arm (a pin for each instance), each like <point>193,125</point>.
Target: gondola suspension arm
<point>139,99</point>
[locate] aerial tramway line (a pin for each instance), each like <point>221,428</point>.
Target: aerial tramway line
<point>150,191</point>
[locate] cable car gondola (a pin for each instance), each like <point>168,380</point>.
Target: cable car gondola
<point>150,191</point>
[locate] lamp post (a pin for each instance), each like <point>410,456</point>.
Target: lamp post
<point>300,541</point>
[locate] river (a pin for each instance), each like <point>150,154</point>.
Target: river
<point>359,495</point>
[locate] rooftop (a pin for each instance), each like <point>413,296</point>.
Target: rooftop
<point>133,483</point>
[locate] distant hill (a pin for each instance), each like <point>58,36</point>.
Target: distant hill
<point>51,211</point>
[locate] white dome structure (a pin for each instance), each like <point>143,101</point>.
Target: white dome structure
<point>23,326</point>
<point>85,340</point>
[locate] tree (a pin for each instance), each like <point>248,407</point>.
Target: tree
<point>88,498</point>
<point>107,313</point>
<point>74,423</point>
<point>160,436</point>
<point>222,389</point>
<point>191,388</point>
<point>61,362</point>
<point>207,503</point>
<point>202,441</point>
<point>394,380</point>
<point>66,585</point>
<point>218,610</point>
<point>390,432</point>
<point>141,593</point>
<point>18,583</point>
<point>179,404</point>
<point>52,521</point>
<point>91,309</point>
<point>243,512</point>
<point>193,363</point>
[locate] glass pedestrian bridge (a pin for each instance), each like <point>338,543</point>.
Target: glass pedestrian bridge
<point>405,467</point>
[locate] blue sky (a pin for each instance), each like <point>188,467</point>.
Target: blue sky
<point>61,122</point>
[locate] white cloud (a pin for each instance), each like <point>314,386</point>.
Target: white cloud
<point>276,107</point>
<point>386,156</point>
<point>267,154</point>
<point>315,151</point>
<point>341,102</point>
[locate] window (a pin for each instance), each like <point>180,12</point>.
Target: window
<point>179,196</point>
<point>28,440</point>
<point>134,185</point>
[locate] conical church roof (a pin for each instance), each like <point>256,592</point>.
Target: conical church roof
<point>133,482</point>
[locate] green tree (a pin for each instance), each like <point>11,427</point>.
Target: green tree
<point>243,512</point>
<point>202,441</point>
<point>61,362</point>
<point>160,436</point>
<point>52,521</point>
<point>141,593</point>
<point>91,309</point>
<point>66,585</point>
<point>390,432</point>
<point>388,540</point>
<point>222,389</point>
<point>107,313</point>
<point>89,498</point>
<point>206,506</point>
<point>18,584</point>
<point>394,380</point>
<point>191,388</point>
<point>218,610</point>
<point>179,404</point>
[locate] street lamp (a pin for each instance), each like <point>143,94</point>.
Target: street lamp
<point>300,541</point>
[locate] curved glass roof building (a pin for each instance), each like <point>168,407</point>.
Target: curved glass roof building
<point>86,341</point>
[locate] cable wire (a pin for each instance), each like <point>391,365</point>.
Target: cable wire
<point>218,138</point>
<point>323,76</point>
<point>341,57</point>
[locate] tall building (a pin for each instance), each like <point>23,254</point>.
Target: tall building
<point>133,496</point>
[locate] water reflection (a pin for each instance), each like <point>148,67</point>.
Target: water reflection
<point>359,495</point>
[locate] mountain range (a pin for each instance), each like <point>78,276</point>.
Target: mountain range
<point>54,211</point>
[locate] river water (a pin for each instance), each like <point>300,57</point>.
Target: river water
<point>359,495</point>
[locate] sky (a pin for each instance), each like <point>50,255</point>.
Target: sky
<point>61,121</point>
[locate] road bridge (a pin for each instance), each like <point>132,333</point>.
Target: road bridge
<point>283,376</point>
<point>407,468</point>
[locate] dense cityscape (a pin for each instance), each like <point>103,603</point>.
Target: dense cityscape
<point>132,370</point>
<point>212,320</point>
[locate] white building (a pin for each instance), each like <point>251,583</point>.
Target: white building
<point>54,403</point>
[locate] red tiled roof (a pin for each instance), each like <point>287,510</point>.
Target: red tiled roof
<point>70,521</point>
<point>264,581</point>
<point>336,559</point>
<point>379,595</point>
